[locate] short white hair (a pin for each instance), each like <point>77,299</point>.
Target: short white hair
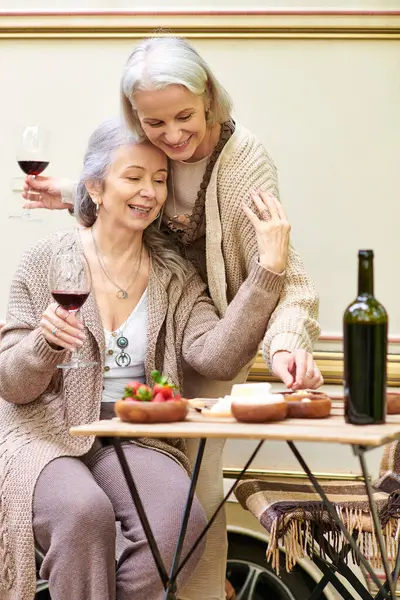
<point>158,62</point>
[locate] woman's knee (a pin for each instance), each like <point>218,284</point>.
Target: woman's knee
<point>70,506</point>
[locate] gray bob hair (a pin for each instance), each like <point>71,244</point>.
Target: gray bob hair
<point>106,139</point>
<point>158,62</point>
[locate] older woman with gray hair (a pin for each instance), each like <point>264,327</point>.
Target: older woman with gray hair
<point>65,493</point>
<point>171,97</point>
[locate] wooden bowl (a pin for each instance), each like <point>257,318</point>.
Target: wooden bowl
<point>393,403</point>
<point>151,412</point>
<point>308,405</point>
<point>259,413</point>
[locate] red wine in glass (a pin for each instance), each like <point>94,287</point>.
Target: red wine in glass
<point>70,284</point>
<point>33,167</point>
<point>71,301</point>
<point>33,158</point>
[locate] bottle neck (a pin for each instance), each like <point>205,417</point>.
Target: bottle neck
<point>365,276</point>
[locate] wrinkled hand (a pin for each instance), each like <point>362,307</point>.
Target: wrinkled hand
<point>272,231</point>
<point>49,190</point>
<point>61,328</point>
<point>297,370</point>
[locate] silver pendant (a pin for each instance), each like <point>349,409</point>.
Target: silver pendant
<point>122,342</point>
<point>122,294</point>
<point>123,359</point>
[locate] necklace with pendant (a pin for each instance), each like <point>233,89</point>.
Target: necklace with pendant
<point>122,359</point>
<point>122,293</point>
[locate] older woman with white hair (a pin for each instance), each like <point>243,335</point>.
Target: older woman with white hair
<point>66,493</point>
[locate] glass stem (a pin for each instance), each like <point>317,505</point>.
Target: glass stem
<point>76,354</point>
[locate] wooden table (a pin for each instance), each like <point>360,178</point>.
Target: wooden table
<point>332,429</point>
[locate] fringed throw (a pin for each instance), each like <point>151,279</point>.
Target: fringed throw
<point>294,515</point>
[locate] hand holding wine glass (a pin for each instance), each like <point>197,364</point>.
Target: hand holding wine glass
<point>48,193</point>
<point>70,285</point>
<point>68,330</point>
<point>33,158</point>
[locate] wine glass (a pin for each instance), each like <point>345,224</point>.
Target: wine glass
<point>33,158</point>
<point>70,284</point>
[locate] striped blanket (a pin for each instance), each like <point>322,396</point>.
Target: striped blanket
<point>294,515</point>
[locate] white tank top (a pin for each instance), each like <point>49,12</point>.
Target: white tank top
<point>126,362</point>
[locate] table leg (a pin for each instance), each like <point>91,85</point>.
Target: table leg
<point>395,575</point>
<point>170,583</point>
<point>219,507</point>
<point>116,442</point>
<point>333,514</point>
<point>338,565</point>
<point>330,576</point>
<point>171,587</point>
<point>360,451</point>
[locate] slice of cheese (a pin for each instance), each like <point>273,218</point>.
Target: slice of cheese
<point>250,389</point>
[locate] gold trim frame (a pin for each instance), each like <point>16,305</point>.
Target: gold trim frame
<point>331,366</point>
<point>265,474</point>
<point>377,25</point>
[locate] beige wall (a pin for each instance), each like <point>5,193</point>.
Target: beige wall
<point>327,110</point>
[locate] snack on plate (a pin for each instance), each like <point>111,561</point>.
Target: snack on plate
<point>254,403</point>
<point>308,404</point>
<point>261,409</point>
<point>220,409</point>
<point>143,404</point>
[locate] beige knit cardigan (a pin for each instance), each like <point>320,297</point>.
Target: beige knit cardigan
<point>39,403</point>
<point>244,165</point>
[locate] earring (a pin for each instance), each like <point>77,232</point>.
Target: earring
<point>97,208</point>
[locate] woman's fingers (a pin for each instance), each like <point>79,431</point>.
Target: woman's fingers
<point>62,328</point>
<point>254,220</point>
<point>58,334</point>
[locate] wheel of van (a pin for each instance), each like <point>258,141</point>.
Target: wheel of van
<point>254,579</point>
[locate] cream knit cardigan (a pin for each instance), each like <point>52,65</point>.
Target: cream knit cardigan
<point>244,165</point>
<point>39,403</point>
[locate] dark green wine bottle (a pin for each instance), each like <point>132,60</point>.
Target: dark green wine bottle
<point>365,328</point>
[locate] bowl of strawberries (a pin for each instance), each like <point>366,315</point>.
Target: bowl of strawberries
<point>161,403</point>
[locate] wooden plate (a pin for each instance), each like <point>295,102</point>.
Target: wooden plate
<point>316,407</point>
<point>393,403</point>
<point>260,413</point>
<point>151,412</point>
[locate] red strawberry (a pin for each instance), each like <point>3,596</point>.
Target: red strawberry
<point>166,390</point>
<point>158,398</point>
<point>144,393</point>
<point>132,387</point>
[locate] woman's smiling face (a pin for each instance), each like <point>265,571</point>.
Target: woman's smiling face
<point>173,119</point>
<point>135,188</point>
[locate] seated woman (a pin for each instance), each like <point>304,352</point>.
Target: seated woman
<point>66,493</point>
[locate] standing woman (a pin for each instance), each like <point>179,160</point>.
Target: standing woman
<point>171,97</point>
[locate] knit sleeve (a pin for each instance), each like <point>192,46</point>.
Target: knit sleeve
<point>220,348</point>
<point>68,191</point>
<point>27,361</point>
<point>293,324</point>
